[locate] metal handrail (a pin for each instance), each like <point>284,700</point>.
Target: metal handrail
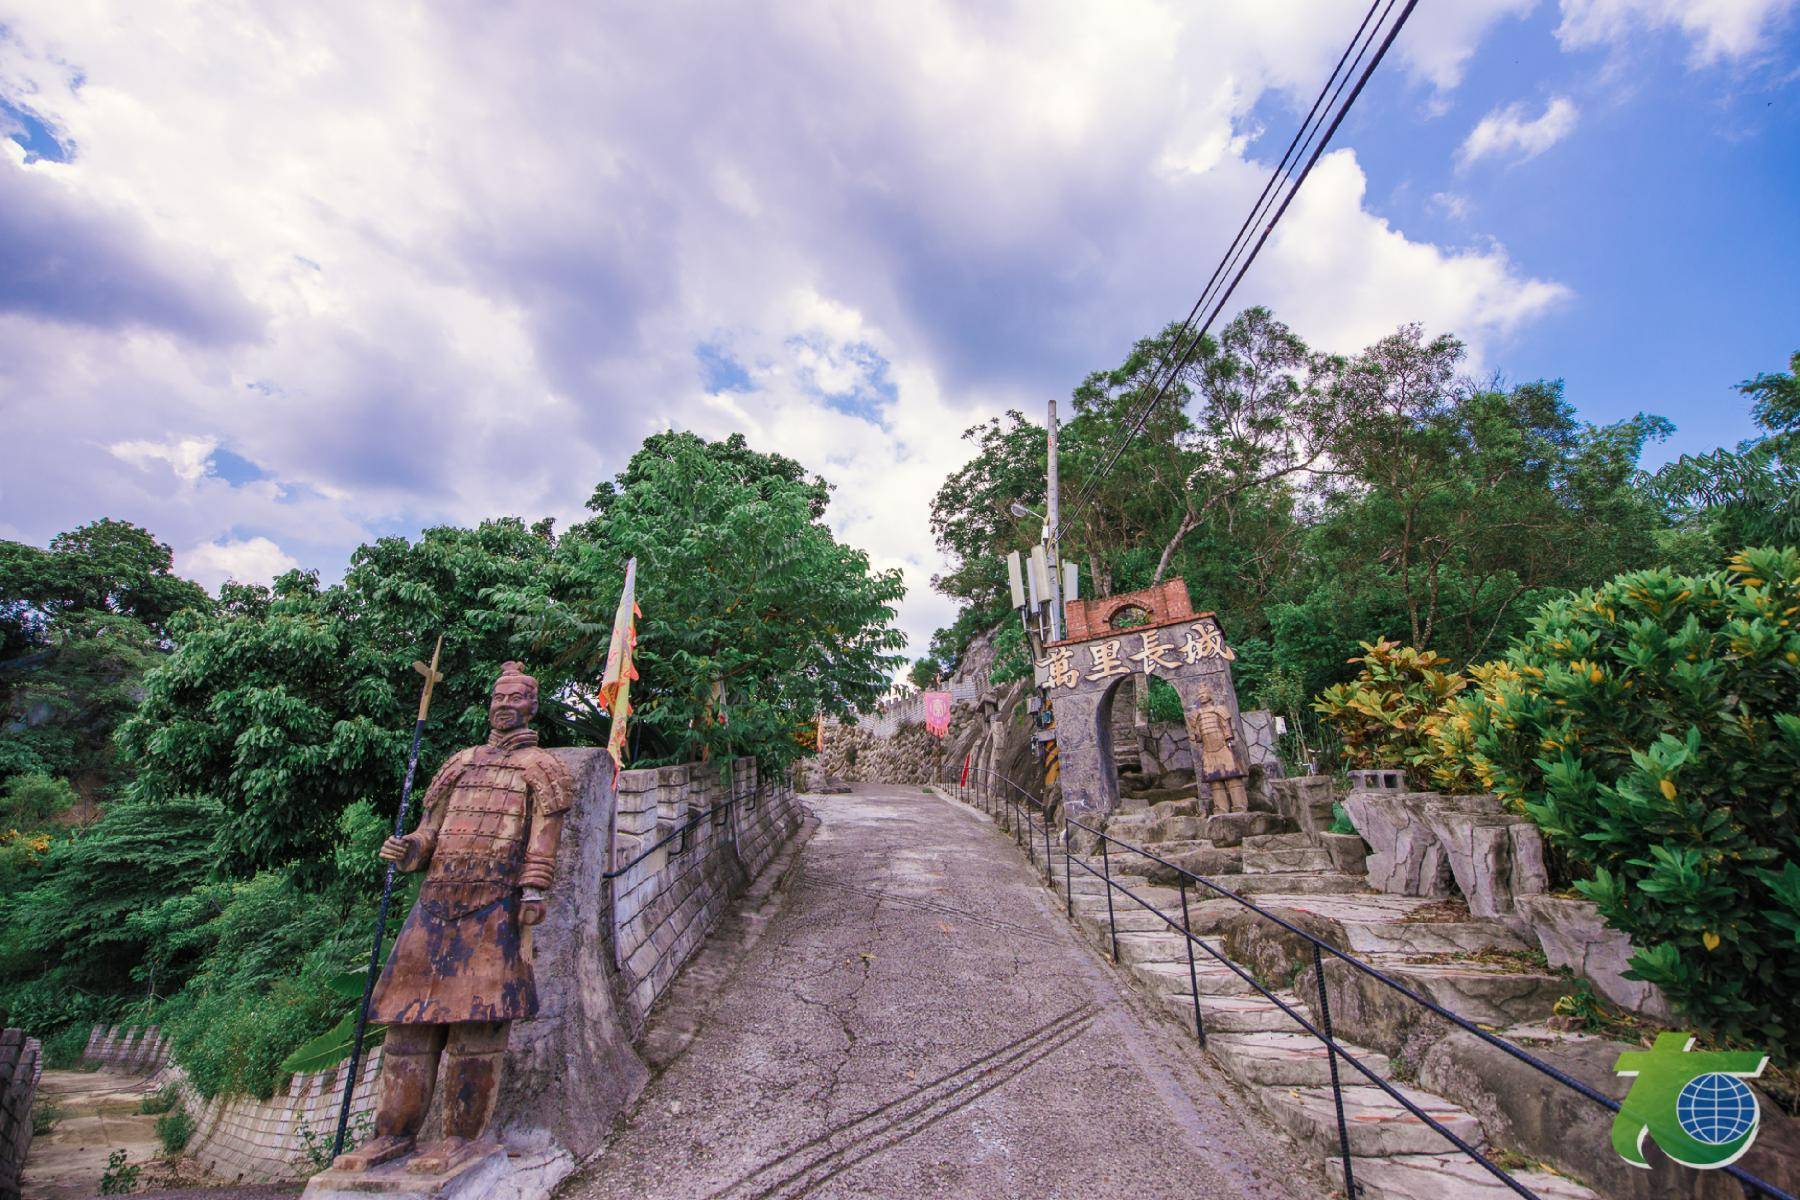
<point>680,831</point>
<point>1320,947</point>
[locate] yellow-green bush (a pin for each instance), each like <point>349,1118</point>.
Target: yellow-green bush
<point>1651,727</point>
<point>1390,715</point>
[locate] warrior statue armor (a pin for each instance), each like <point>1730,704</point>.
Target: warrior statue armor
<point>1218,753</point>
<point>459,973</point>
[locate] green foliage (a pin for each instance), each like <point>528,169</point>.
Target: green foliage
<point>1340,820</point>
<point>1391,713</point>
<point>45,1113</point>
<point>924,673</point>
<point>1161,702</point>
<point>160,1101</point>
<point>1649,726</point>
<point>755,618</point>
<point>173,1130</point>
<point>1449,512</point>
<point>1751,494</point>
<point>35,798</point>
<point>1012,657</point>
<point>80,623</point>
<point>121,1175</point>
<point>293,711</point>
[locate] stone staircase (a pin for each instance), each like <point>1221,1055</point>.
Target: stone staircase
<point>1476,968</point>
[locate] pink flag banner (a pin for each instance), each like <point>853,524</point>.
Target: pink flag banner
<point>937,713</point>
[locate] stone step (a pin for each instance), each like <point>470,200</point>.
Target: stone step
<point>1157,947</point>
<point>1285,859</point>
<point>1129,919</point>
<point>1294,1060</point>
<point>1453,1176</point>
<point>1492,994</point>
<point>1378,1125</point>
<point>1247,1012</point>
<point>1264,885</point>
<point>1171,978</point>
<point>1278,841</point>
<point>1365,938</point>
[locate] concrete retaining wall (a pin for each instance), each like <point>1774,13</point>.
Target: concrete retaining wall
<point>137,1050</point>
<point>603,955</point>
<point>21,1063</point>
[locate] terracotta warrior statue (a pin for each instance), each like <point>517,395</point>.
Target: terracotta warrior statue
<point>1218,753</point>
<point>459,972</point>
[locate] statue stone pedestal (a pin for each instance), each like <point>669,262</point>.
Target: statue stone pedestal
<point>471,1180</point>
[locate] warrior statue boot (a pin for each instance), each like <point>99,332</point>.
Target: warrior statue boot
<point>409,1067</point>
<point>471,1080</point>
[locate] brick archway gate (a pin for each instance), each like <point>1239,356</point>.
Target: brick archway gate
<point>1156,632</point>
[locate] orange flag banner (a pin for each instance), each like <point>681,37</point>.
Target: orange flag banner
<point>621,665</point>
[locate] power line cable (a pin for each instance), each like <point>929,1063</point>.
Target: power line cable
<point>1183,356</point>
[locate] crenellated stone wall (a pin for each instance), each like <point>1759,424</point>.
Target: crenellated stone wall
<point>136,1050</point>
<point>20,1066</point>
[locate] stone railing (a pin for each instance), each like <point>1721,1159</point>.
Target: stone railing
<point>21,1064</point>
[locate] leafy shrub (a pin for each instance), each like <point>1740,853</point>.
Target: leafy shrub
<point>1651,727</point>
<point>160,1101</point>
<point>1161,702</point>
<point>173,1129</point>
<point>35,798</point>
<point>1390,714</point>
<point>1340,820</point>
<point>121,1175</point>
<point>44,1116</point>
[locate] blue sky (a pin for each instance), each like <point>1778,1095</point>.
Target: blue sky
<point>276,286</point>
<point>1671,211</point>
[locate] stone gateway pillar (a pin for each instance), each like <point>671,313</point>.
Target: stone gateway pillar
<point>1154,632</point>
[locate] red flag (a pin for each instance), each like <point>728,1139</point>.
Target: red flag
<point>964,781</point>
<point>937,713</point>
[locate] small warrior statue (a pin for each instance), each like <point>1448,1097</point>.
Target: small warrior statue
<point>1221,757</point>
<point>459,973</point>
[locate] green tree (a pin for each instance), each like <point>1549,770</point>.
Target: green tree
<point>291,709</point>
<point>1751,494</point>
<point>80,623</point>
<point>755,618</point>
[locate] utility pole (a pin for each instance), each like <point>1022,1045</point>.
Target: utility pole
<point>1052,535</point>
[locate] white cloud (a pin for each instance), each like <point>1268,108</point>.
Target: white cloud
<point>186,457</point>
<point>1507,132</point>
<point>1718,29</point>
<point>409,299</point>
<point>245,560</point>
<point>1452,204</point>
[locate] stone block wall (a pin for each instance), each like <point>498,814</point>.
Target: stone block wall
<point>665,905</point>
<point>20,1066</point>
<point>241,1137</point>
<point>138,1050</point>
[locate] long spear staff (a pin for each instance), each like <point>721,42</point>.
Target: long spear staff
<point>432,677</point>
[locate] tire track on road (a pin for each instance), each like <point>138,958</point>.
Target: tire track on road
<point>845,1145</point>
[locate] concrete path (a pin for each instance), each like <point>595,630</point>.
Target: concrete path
<point>918,1019</point>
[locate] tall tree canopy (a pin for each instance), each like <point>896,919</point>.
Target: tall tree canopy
<point>755,618</point>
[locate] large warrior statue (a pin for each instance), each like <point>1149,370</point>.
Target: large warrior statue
<point>1218,754</point>
<point>459,972</point>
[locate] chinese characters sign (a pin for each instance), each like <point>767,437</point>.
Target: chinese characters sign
<point>1149,651</point>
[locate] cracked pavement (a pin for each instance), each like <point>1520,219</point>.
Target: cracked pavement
<point>916,1018</point>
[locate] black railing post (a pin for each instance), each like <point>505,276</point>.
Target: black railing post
<point>1337,1091</point>
<point>1068,872</point>
<point>1049,863</point>
<point>1193,976</point>
<point>1111,922</point>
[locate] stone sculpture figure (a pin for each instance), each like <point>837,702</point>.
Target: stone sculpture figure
<point>1219,753</point>
<point>460,972</point>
